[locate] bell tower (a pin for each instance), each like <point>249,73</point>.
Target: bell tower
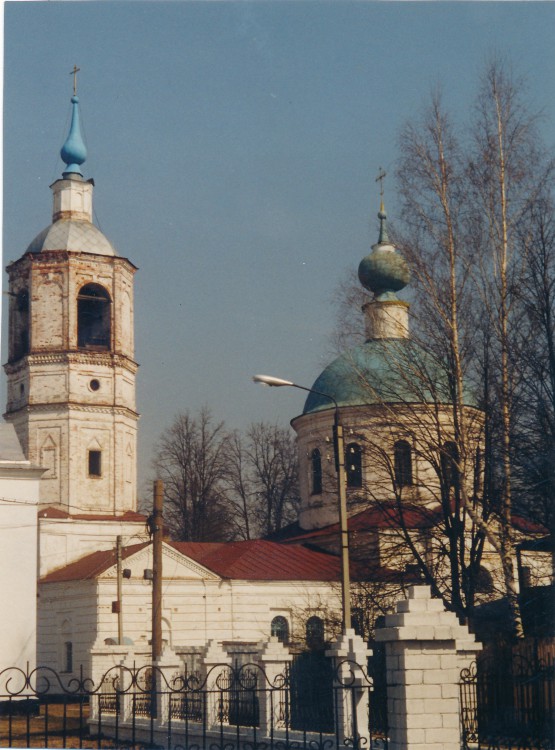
<point>71,369</point>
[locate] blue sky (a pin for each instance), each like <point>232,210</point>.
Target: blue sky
<point>234,148</point>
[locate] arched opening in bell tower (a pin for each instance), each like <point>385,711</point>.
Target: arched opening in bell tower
<point>20,325</point>
<point>93,317</point>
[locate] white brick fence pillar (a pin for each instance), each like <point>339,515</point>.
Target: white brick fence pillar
<point>351,689</point>
<point>424,656</point>
<point>217,666</point>
<point>167,669</point>
<point>109,679</point>
<point>272,660</point>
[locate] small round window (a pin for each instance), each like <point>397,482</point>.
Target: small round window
<point>94,385</point>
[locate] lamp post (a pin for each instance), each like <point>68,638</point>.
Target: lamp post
<point>339,451</point>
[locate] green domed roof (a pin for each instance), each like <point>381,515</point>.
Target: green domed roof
<point>384,271</point>
<point>382,371</point>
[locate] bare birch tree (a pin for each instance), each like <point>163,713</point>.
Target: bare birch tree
<point>533,447</point>
<point>464,201</point>
<point>506,177</point>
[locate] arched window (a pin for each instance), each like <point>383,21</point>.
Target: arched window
<point>402,461</point>
<point>20,324</point>
<point>93,317</point>
<point>358,620</point>
<point>353,465</point>
<point>280,629</point>
<point>484,581</point>
<point>449,464</point>
<point>316,463</point>
<point>315,632</point>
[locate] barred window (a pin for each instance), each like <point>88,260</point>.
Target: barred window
<point>315,632</point>
<point>68,656</point>
<point>316,465</point>
<point>402,460</point>
<point>280,629</point>
<point>449,464</point>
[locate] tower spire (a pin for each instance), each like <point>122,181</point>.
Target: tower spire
<point>384,272</point>
<point>74,151</point>
<point>383,238</point>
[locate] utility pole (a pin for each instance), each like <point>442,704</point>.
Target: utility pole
<point>119,590</point>
<point>339,448</point>
<point>156,526</point>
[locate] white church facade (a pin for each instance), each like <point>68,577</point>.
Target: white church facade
<point>19,499</point>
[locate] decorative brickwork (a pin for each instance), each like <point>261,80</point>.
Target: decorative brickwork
<point>71,369</point>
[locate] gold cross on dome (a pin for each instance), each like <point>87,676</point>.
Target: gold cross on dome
<point>74,74</point>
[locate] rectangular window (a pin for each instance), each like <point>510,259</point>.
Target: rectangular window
<point>68,656</point>
<point>95,463</point>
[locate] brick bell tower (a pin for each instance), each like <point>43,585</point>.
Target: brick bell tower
<point>71,369</point>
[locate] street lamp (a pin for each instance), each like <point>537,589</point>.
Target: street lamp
<point>341,489</point>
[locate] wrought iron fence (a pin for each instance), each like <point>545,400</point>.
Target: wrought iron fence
<point>236,708</point>
<point>508,701</point>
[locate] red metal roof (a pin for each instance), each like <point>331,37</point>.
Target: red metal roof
<point>389,515</point>
<point>259,560</point>
<point>255,560</point>
<point>526,526</point>
<point>90,566</point>
<point>377,517</point>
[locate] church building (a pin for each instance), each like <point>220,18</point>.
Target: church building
<point>71,401</point>
<point>405,481</point>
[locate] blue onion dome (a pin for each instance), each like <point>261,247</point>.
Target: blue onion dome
<point>74,151</point>
<point>383,271</point>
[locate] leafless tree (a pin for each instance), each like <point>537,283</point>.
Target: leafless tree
<point>506,178</point>
<point>464,198</point>
<point>191,460</point>
<point>222,485</point>
<point>262,479</point>
<point>533,445</point>
<point>433,190</point>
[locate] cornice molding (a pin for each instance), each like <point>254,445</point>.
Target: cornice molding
<point>57,257</point>
<point>106,359</point>
<point>68,406</point>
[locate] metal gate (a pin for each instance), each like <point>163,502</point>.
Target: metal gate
<point>508,701</point>
<point>311,684</point>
